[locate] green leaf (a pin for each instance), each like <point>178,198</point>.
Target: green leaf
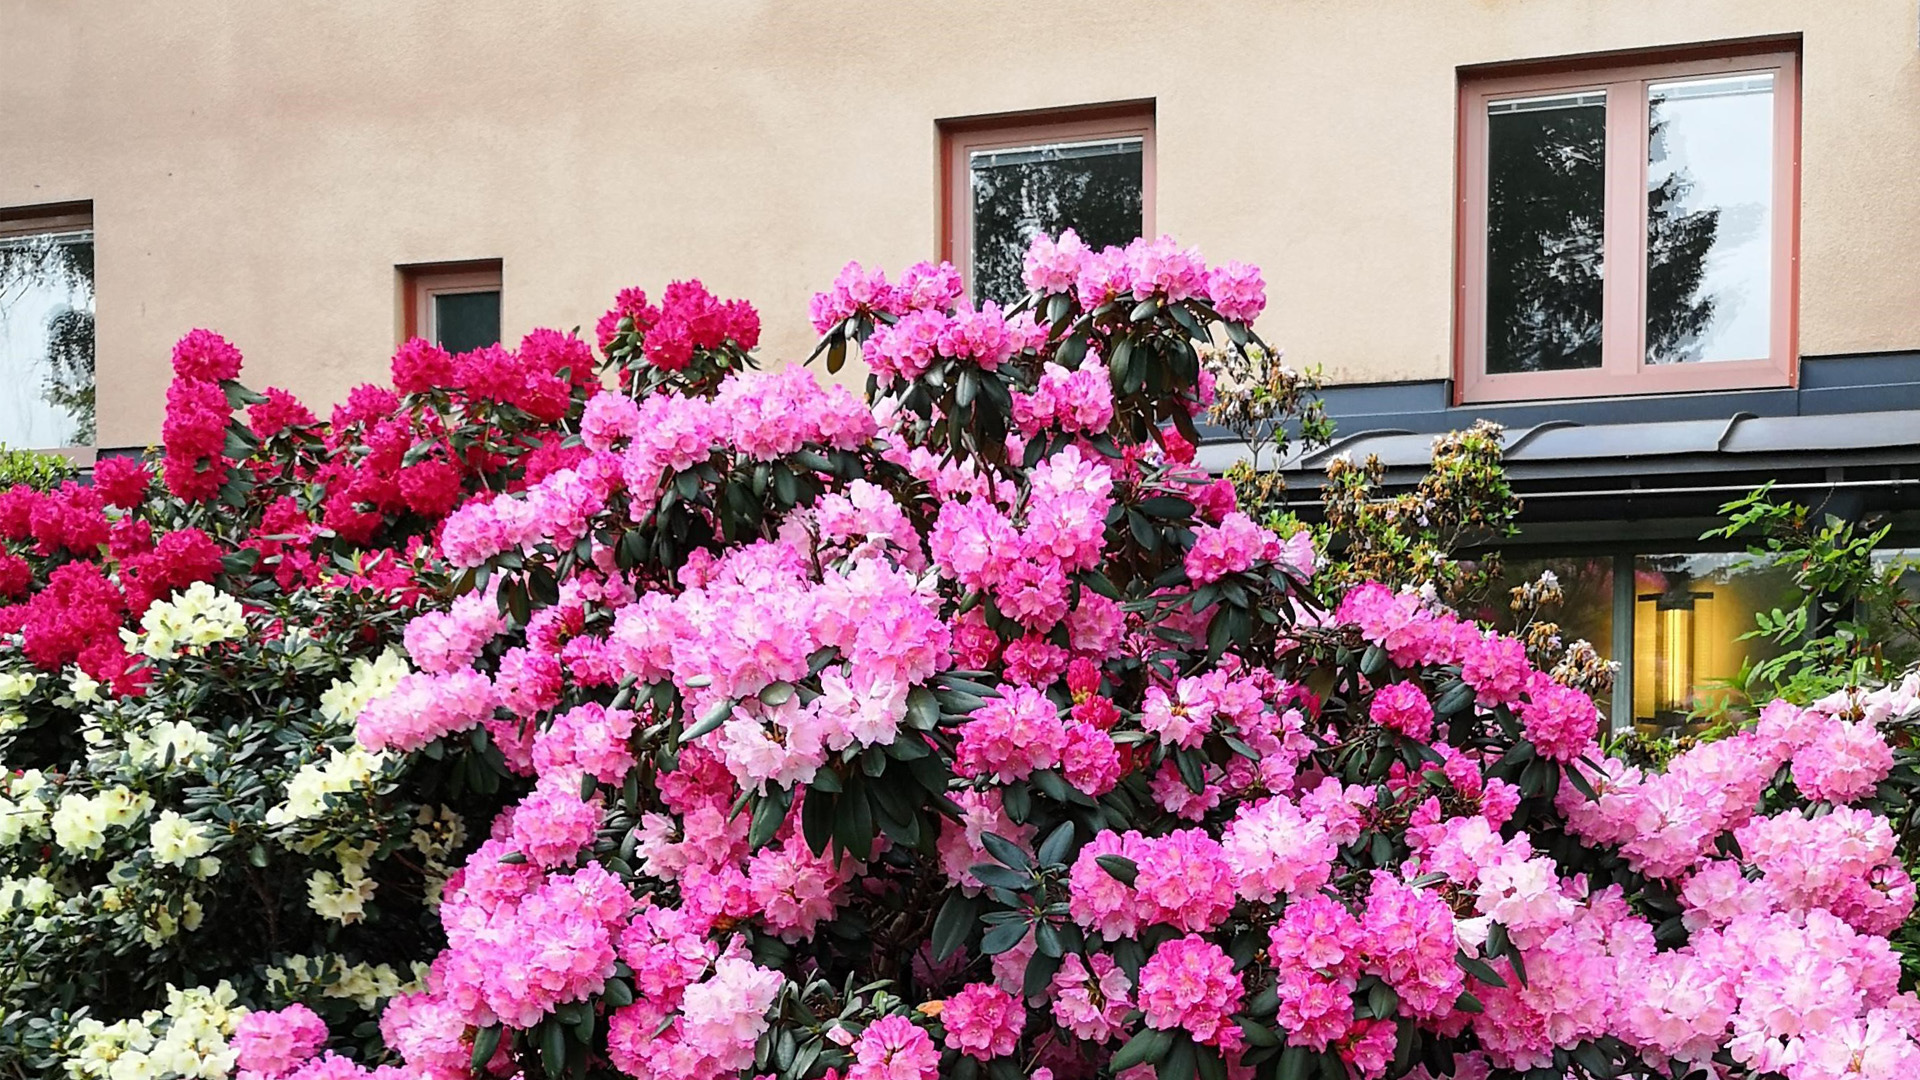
<point>1453,699</point>
<point>1000,877</point>
<point>1479,969</point>
<point>816,818</point>
<point>1382,1001</point>
<point>1053,850</point>
<point>1047,940</point>
<point>768,815</point>
<point>1122,869</point>
<point>1145,1048</point>
<point>954,923</point>
<point>1257,1034</point>
<point>485,1042</point>
<point>1167,506</point>
<point>618,994</point>
<point>1008,852</point>
<point>713,718</point>
<point>1293,1063</point>
<point>1182,1061</point>
<point>1190,763</point>
<point>1004,937</point>
<point>923,709</point>
<point>1373,660</point>
<point>1467,1003</point>
<point>1595,1061</point>
<point>553,1047</point>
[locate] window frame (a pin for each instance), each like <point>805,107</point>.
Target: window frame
<point>421,283</point>
<point>1623,370</point>
<point>961,138</point>
<point>64,219</point>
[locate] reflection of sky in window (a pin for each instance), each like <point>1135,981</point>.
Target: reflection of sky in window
<point>1719,136</point>
<point>27,306</point>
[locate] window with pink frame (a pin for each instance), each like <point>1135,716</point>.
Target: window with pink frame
<point>1628,229</point>
<point>1009,177</point>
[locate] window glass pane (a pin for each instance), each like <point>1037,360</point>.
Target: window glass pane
<point>1688,614</point>
<point>46,340</point>
<point>463,321</point>
<point>1093,188</point>
<point>1580,602</point>
<point>1546,203</point>
<point>1709,219</point>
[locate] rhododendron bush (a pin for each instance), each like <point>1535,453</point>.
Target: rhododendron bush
<point>962,729</point>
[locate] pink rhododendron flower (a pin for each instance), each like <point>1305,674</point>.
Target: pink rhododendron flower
<point>983,1022</point>
<point>1190,984</point>
<point>893,1048</point>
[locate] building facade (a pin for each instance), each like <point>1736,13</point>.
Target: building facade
<point>1574,216</point>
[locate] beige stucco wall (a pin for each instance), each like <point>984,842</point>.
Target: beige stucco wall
<point>260,168</point>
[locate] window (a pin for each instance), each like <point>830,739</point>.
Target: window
<point>46,327</point>
<point>1008,179</point>
<point>1628,230</point>
<point>1673,622</point>
<point>454,305</point>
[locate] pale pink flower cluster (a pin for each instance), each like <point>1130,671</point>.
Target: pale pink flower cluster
<point>1274,848</point>
<point>556,509</point>
<point>867,521</point>
<point>1011,736</point>
<point>1410,944</point>
<point>513,957</point>
<point>859,291</point>
<point>442,641</point>
<point>1230,547</point>
<point>589,739</point>
<point>983,1021</point>
<point>1189,983</point>
<point>704,1031</point>
<point>429,1034</point>
<point>423,707</point>
<point>1844,762</point>
<point>769,416</point>
<point>894,1048</point>
<point>1091,998</point>
<point>271,1044</point>
<point>1844,862</point>
<point>1076,402</point>
<point>1315,951</point>
<point>985,338</point>
<point>1183,880</point>
<point>759,417</point>
<point>1559,721</point>
<point>552,824</point>
<point>1026,568</point>
<point>794,890</point>
<point>1142,270</point>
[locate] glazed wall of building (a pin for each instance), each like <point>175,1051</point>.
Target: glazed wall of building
<point>262,168</point>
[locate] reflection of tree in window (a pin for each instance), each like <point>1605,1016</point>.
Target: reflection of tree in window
<point>1677,246</point>
<point>49,277</point>
<point>1546,203</point>
<point>1092,188</point>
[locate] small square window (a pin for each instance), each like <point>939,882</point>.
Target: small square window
<point>1009,179</point>
<point>1628,229</point>
<point>454,305</point>
<point>46,327</point>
